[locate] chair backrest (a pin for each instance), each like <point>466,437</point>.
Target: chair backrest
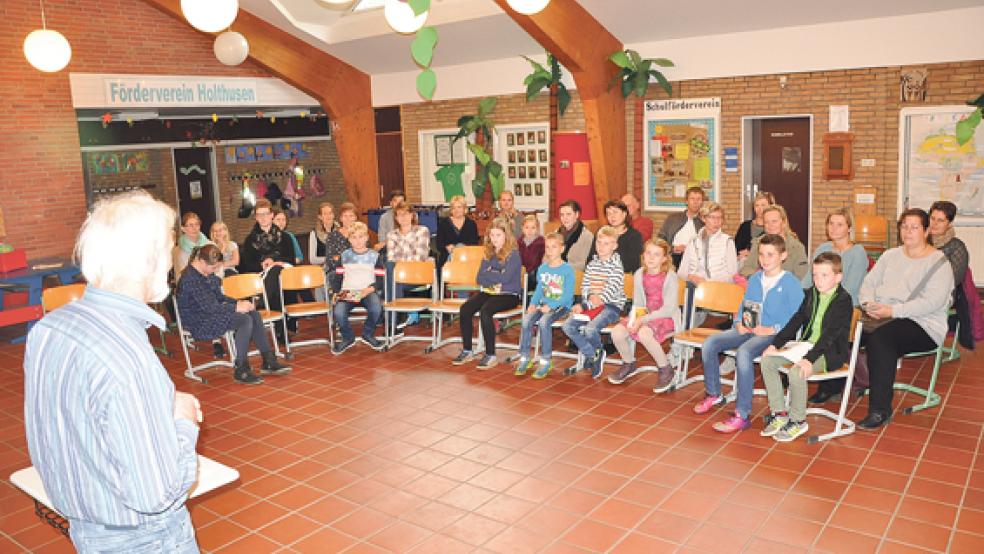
<point>551,226</point>
<point>629,286</point>
<point>467,254</point>
<point>302,277</point>
<point>855,321</point>
<point>414,273</point>
<point>871,229</point>
<point>578,281</point>
<point>681,292</point>
<point>56,297</point>
<point>460,273</point>
<point>718,296</point>
<point>240,287</point>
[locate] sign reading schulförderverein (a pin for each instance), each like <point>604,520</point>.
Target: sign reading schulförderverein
<point>99,90</point>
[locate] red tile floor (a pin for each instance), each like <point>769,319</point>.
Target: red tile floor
<point>401,451</point>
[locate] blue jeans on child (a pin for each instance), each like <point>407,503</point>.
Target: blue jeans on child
<point>172,532</point>
<point>374,313</point>
<point>749,346</point>
<point>587,336</point>
<point>542,321</point>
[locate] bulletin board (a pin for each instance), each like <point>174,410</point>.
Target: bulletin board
<point>680,148</point>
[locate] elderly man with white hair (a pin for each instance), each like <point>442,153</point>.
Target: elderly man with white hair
<point>113,441</point>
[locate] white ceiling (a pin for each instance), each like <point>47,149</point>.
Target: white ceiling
<point>477,30</point>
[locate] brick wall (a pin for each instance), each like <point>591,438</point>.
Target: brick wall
<point>41,185</point>
<point>871,93</point>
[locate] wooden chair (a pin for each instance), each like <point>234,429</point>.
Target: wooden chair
<point>842,425</point>
<point>249,286</point>
<point>414,274</point>
<point>186,340</point>
<point>714,296</point>
<point>305,277</point>
<point>628,288</point>
<point>55,297</point>
<point>458,275</point>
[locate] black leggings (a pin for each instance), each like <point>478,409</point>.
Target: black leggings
<point>246,326</point>
<point>486,305</point>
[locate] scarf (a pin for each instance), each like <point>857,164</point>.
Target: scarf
<point>187,245</point>
<point>321,232</point>
<point>266,243</point>
<point>939,240</point>
<point>571,236</point>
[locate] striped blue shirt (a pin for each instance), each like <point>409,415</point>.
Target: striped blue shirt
<point>99,414</point>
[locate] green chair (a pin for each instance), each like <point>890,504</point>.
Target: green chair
<point>941,354</point>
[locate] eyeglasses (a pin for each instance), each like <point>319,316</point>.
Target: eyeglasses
<point>914,227</point>
<point>263,214</point>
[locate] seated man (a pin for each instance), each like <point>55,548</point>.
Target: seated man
<point>207,313</point>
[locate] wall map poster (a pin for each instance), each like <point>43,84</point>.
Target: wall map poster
<point>680,149</point>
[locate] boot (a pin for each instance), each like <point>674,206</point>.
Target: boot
<point>244,374</point>
<point>271,366</point>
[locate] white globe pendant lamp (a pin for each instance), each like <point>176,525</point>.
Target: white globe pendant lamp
<point>399,15</point>
<point>336,3</point>
<point>528,7</point>
<point>210,16</point>
<point>47,50</point>
<point>231,48</point>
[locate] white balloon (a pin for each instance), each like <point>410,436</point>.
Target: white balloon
<point>210,16</point>
<point>47,50</point>
<point>231,48</point>
<point>528,7</point>
<point>400,17</point>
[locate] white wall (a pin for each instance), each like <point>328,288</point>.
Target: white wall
<point>936,37</point>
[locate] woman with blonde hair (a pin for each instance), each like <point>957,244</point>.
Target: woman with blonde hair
<point>854,260</point>
<point>219,233</point>
<point>455,230</point>
<point>776,222</point>
<point>500,280</point>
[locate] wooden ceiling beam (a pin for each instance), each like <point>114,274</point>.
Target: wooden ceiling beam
<point>342,90</point>
<point>582,44</point>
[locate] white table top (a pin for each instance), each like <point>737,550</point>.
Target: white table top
<point>211,475</point>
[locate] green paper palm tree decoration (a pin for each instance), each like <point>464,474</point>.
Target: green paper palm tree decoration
<point>560,98</point>
<point>636,72</point>
<point>967,125</point>
<point>488,170</point>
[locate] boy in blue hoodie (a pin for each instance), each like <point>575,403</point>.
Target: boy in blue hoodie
<point>772,297</point>
<point>551,301</point>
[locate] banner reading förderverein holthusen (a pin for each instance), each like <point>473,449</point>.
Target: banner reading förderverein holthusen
<point>680,151</point>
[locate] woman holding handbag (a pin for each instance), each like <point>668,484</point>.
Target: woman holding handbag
<point>905,299</point>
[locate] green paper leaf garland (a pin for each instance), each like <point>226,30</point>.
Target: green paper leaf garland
<point>426,84</point>
<point>419,6</point>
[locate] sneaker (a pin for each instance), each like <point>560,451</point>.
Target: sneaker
<point>773,424</point>
<point>627,370</point>
<point>374,343</point>
<point>575,368</point>
<point>244,374</point>
<point>412,319</point>
<point>488,362</point>
<point>522,365</point>
<point>514,358</point>
<point>665,380</point>
<point>733,424</point>
<point>464,357</point>
<point>598,364</point>
<point>728,366</point>
<point>709,402</point>
<point>791,431</point>
<point>342,346</point>
<point>543,368</point>
<point>218,351</point>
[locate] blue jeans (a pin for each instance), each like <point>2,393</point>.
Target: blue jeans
<point>374,311</point>
<point>172,532</point>
<point>749,346</point>
<point>543,321</point>
<point>587,336</point>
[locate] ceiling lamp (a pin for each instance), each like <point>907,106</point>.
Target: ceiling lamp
<point>210,16</point>
<point>231,48</point>
<point>336,3</point>
<point>47,50</point>
<point>528,7</point>
<point>400,17</point>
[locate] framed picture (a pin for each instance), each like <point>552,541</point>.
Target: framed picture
<point>518,189</point>
<point>531,137</point>
<point>531,155</point>
<point>522,172</point>
<point>532,172</point>
<point>543,155</point>
<point>539,188</point>
<point>442,150</point>
<point>527,189</point>
<point>541,137</point>
<point>520,139</point>
<point>195,189</point>
<point>522,156</point>
<point>543,172</point>
<point>512,172</point>
<point>512,156</point>
<point>510,139</point>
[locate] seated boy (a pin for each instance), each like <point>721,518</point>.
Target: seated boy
<point>359,281</point>
<point>825,317</point>
<point>772,297</point>
<point>602,300</point>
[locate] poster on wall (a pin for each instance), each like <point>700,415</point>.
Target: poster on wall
<point>134,162</point>
<point>934,166</point>
<point>680,150</point>
<point>104,163</point>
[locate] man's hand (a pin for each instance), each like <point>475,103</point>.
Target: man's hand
<point>577,309</point>
<point>595,300</point>
<point>679,249</point>
<point>805,367</point>
<point>878,311</point>
<point>770,351</point>
<point>244,306</point>
<point>187,407</point>
<point>763,331</point>
<point>266,264</point>
<point>696,279</point>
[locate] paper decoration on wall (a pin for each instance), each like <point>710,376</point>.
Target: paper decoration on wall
<point>246,153</point>
<point>450,178</point>
<point>582,174</point>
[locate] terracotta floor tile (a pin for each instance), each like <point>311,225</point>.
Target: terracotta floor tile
<point>434,515</point>
<point>919,534</point>
<point>329,509</point>
<point>833,539</point>
<point>620,513</point>
<point>258,515</point>
<point>668,526</point>
<point>873,499</point>
<point>714,538</point>
<point>762,546</point>
<point>806,507</point>
<point>639,542</point>
<point>219,533</point>
<point>593,536</point>
<point>966,542</point>
<point>692,505</point>
<point>400,537</point>
<point>474,529</point>
<point>363,523</point>
<point>928,511</point>
<point>516,540</point>
<point>861,520</point>
<point>506,509</point>
<point>251,543</point>
<point>467,497</point>
<point>442,544</point>
<point>789,530</point>
<point>550,520</point>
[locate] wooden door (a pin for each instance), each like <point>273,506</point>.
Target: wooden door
<point>783,164</point>
<point>389,156</point>
<point>196,184</point>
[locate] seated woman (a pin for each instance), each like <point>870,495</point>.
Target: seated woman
<point>776,223</point>
<point>191,237</point>
<point>908,292</point>
<point>267,249</point>
<point>455,230</point>
<point>577,238</point>
<point>207,314</point>
<point>629,246</point>
<point>710,256</point>
<point>854,260</point>
<point>219,233</point>
<point>944,239</point>
<point>281,220</point>
<point>407,242</point>
<point>752,229</point>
